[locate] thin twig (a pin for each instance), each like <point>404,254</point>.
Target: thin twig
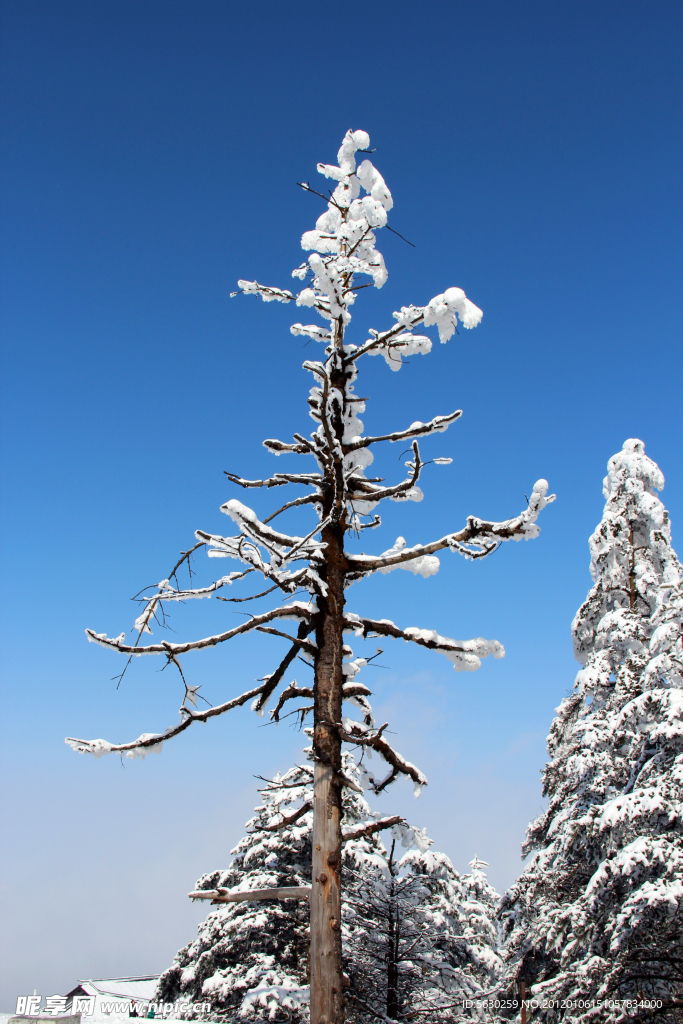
<point>400,236</point>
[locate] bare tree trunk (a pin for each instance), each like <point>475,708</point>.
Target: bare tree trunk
<point>327,998</point>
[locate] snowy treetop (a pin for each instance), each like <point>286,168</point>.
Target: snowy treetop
<point>632,470</point>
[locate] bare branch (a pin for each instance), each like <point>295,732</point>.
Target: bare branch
<point>290,693</point>
<point>309,536</point>
<point>152,742</point>
<point>377,826</point>
<point>304,644</point>
<point>252,597</point>
<point>307,499</point>
<point>295,610</point>
<point>357,734</point>
<point>274,680</point>
<point>143,620</point>
<point>185,556</point>
<point>331,202</point>
<point>274,784</point>
<point>287,819</point>
<point>302,712</point>
<point>395,232</point>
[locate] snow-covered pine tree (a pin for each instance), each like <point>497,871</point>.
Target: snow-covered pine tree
<point>480,908</point>
<point>597,916</point>
<point>420,942</point>
<point>416,937</point>
<point>251,958</point>
<point>320,560</point>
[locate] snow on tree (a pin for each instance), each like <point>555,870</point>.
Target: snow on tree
<point>481,909</point>
<point>411,926</point>
<point>251,957</point>
<point>321,559</point>
<point>598,913</point>
<point>420,941</point>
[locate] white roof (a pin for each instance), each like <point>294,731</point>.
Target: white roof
<point>121,988</point>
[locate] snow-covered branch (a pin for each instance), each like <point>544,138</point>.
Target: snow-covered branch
<point>479,538</point>
<point>267,294</point>
<point>406,489</point>
<point>466,655</point>
<point>281,447</point>
<point>443,310</point>
<point>223,895</point>
<point>355,733</point>
<point>409,316</point>
<point>151,742</point>
<point>295,610</point>
<point>274,541</point>
<point>363,831</point>
<point>168,593</point>
<point>277,479</point>
<point>438,424</point>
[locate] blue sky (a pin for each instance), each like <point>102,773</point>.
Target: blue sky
<point>151,154</point>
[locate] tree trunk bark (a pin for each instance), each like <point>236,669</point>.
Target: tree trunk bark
<point>327,996</point>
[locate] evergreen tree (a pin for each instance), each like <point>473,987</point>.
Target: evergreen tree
<point>480,907</point>
<point>420,941</point>
<point>596,917</point>
<point>414,934</point>
<point>252,956</point>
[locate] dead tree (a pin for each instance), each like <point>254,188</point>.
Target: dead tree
<point>320,561</point>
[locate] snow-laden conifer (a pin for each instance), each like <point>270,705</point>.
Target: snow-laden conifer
<point>250,959</point>
<point>322,559</point>
<point>480,907</point>
<point>420,941</point>
<point>597,916</point>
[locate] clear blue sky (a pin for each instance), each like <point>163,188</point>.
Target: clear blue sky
<point>150,155</point>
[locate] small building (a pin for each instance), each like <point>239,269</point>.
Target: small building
<point>111,995</point>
